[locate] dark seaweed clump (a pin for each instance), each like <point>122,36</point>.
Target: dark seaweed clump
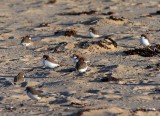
<point>143,110</point>
<point>51,1</point>
<point>70,32</point>
<point>145,52</point>
<point>84,44</point>
<point>109,78</point>
<point>102,43</point>
<point>117,18</point>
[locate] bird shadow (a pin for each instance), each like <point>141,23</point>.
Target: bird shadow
<point>39,74</point>
<point>143,84</point>
<point>58,101</point>
<point>67,70</point>
<point>68,24</point>
<point>126,38</point>
<point>40,36</point>
<point>65,93</point>
<point>106,69</point>
<point>93,91</point>
<point>4,82</point>
<point>91,21</point>
<point>154,14</point>
<point>52,83</point>
<point>1,98</point>
<point>82,36</point>
<point>32,69</point>
<point>24,84</point>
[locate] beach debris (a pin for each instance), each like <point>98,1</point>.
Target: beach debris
<point>70,32</point>
<point>31,69</point>
<point>80,13</point>
<point>21,104</point>
<point>11,37</point>
<point>147,15</point>
<point>106,43</point>
<point>51,1</point>
<point>10,108</point>
<point>157,90</point>
<point>58,32</point>
<point>115,18</point>
<point>58,48</point>
<point>143,110</point>
<point>44,24</point>
<point>79,104</point>
<point>108,13</point>
<point>155,67</point>
<point>84,44</point>
<point>145,52</point>
<point>109,78</point>
<point>158,12</point>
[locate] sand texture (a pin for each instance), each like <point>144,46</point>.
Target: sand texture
<point>115,84</point>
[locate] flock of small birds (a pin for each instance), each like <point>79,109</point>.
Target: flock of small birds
<point>81,63</point>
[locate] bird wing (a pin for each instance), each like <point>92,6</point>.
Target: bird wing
<point>96,32</point>
<point>22,40</point>
<point>35,92</point>
<point>15,79</point>
<point>80,65</point>
<point>52,60</point>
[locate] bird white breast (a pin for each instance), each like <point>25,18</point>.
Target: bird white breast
<point>82,70</point>
<point>50,64</point>
<point>26,44</point>
<point>93,35</point>
<point>144,41</point>
<point>75,60</point>
<point>34,97</point>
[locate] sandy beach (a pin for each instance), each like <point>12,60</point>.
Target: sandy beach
<point>115,84</point>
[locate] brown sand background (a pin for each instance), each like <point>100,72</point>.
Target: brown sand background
<point>19,18</point>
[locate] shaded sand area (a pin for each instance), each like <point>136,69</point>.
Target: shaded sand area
<point>134,89</point>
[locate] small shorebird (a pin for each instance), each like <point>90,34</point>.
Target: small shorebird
<point>34,94</point>
<point>48,62</point>
<point>26,41</point>
<point>94,33</point>
<point>81,65</point>
<point>19,79</point>
<point>144,40</point>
